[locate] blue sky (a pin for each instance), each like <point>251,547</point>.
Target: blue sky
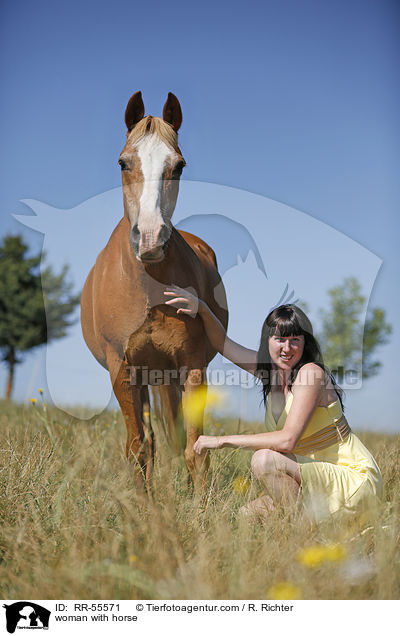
<point>296,101</point>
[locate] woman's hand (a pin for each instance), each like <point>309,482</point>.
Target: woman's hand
<point>205,442</point>
<point>183,300</point>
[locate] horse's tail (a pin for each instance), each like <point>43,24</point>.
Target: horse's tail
<point>168,421</point>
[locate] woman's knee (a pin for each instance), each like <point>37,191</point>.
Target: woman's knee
<point>265,461</point>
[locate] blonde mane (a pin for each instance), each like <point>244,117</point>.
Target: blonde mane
<point>154,125</point>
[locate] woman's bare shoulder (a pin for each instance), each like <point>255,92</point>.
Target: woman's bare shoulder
<point>311,374</point>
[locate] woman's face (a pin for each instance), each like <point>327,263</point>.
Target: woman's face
<point>286,351</point>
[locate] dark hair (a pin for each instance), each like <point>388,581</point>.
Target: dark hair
<point>289,320</point>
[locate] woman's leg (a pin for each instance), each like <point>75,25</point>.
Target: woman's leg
<point>280,474</point>
<point>261,507</point>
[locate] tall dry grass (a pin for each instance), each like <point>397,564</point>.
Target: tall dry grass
<point>74,526</point>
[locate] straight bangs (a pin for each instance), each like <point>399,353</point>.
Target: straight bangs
<point>288,321</point>
<point>286,327</point>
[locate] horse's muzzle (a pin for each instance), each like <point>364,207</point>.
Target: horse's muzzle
<point>155,256</point>
<point>149,246</point>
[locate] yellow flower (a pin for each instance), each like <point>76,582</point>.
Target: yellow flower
<point>217,424</point>
<point>312,556</point>
<point>132,558</point>
<point>317,554</point>
<point>40,391</point>
<point>335,552</point>
<point>33,401</point>
<point>196,400</point>
<point>284,591</point>
<point>241,485</point>
<point>44,405</point>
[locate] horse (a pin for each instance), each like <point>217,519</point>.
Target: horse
<point>125,322</point>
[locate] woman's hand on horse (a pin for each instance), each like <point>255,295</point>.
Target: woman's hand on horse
<point>206,442</point>
<point>184,301</point>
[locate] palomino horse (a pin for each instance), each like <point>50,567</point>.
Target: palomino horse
<point>125,322</point>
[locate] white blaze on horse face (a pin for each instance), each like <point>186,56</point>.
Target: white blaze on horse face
<point>153,154</point>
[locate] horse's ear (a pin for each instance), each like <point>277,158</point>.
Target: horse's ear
<point>172,112</point>
<point>134,110</point>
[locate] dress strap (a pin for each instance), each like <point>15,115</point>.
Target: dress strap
<point>335,433</point>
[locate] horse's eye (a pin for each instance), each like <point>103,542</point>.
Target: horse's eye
<point>179,167</point>
<point>123,164</point>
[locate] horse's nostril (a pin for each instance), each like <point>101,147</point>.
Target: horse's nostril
<point>135,237</point>
<point>165,233</point>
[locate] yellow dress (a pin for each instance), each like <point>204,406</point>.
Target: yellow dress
<point>343,477</point>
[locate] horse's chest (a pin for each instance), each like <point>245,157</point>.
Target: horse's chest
<point>164,340</point>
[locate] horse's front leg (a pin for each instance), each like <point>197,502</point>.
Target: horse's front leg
<point>139,445</point>
<point>194,400</point>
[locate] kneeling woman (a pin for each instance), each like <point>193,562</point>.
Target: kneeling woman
<point>309,444</point>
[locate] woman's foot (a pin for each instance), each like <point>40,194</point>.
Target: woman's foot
<point>260,508</point>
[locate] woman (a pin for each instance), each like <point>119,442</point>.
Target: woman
<point>309,445</point>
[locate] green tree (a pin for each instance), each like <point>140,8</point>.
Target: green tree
<point>347,342</point>
<point>25,299</point>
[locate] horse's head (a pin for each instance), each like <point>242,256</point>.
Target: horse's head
<point>151,165</point>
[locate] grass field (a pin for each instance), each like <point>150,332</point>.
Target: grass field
<point>74,527</point>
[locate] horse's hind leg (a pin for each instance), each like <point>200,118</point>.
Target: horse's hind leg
<point>171,424</point>
<point>147,429</point>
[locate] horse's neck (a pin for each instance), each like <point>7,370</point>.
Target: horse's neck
<point>149,280</point>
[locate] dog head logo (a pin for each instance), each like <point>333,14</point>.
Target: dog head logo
<point>26,615</point>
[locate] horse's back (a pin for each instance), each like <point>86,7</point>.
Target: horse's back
<point>205,253</point>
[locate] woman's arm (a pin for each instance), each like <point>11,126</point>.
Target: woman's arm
<point>309,383</point>
<point>188,303</point>
<point>276,440</point>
